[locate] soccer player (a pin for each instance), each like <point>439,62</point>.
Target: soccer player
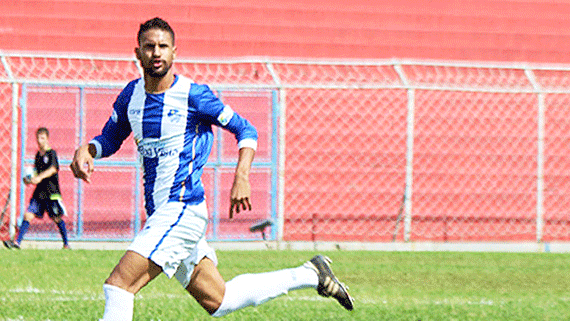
<point>47,195</point>
<point>171,120</point>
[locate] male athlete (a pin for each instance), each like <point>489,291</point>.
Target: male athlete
<point>47,195</point>
<point>171,120</point>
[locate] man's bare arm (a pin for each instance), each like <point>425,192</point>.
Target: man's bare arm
<point>52,170</point>
<point>240,195</point>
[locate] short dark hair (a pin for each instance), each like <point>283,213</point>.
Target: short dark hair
<point>155,23</point>
<point>42,130</point>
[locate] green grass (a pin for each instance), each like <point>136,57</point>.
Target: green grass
<point>67,285</point>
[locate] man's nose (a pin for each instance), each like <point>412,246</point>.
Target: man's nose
<point>156,51</point>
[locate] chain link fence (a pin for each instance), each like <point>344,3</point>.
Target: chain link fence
<point>370,151</point>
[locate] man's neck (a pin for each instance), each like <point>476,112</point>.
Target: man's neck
<point>155,85</point>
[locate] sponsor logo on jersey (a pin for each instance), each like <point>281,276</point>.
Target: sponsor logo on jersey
<point>135,111</point>
<point>157,151</point>
<point>174,116</point>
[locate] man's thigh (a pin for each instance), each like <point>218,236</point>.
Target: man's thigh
<point>207,285</point>
<point>55,209</point>
<point>37,207</point>
<point>133,272</point>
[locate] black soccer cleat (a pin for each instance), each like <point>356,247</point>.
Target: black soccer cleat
<point>11,245</point>
<point>329,285</point>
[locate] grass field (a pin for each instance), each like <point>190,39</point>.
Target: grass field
<point>67,285</point>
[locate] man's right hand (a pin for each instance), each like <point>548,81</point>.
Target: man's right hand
<point>83,156</point>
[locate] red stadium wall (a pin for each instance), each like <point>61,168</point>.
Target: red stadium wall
<point>510,31</point>
<point>482,30</point>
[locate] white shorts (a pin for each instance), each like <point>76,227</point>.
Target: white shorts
<point>174,238</point>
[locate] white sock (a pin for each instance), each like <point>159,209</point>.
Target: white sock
<point>254,289</point>
<point>118,304</point>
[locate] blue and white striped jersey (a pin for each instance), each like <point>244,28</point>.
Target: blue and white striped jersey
<point>173,133</point>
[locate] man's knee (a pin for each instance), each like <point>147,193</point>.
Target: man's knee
<point>29,216</point>
<point>211,307</point>
<point>133,272</point>
<point>118,279</point>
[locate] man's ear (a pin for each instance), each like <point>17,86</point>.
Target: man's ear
<point>174,52</point>
<point>137,53</point>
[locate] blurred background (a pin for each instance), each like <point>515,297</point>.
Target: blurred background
<point>379,121</point>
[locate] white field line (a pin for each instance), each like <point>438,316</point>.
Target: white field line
<point>59,295</point>
<point>33,290</point>
<point>378,301</point>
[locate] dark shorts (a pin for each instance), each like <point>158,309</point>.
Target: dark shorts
<point>54,208</point>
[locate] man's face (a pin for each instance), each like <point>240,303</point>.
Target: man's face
<point>156,52</point>
<point>42,140</point>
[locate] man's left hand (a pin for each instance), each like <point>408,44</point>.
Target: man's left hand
<point>240,195</point>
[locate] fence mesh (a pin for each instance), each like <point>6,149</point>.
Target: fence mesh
<point>371,151</point>
<point>5,156</point>
<point>345,163</point>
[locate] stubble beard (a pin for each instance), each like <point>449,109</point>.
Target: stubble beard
<point>157,73</point>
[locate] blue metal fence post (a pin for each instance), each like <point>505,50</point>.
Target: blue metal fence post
<point>79,182</point>
<point>216,187</point>
<point>274,159</point>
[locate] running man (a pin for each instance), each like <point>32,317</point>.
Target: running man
<point>171,120</point>
<point>47,195</point>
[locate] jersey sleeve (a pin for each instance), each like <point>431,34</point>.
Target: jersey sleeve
<point>211,107</point>
<point>117,128</point>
